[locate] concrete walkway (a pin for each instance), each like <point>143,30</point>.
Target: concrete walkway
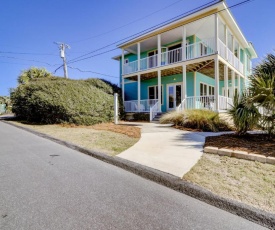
<point>166,149</point>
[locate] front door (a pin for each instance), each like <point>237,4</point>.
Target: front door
<point>173,96</point>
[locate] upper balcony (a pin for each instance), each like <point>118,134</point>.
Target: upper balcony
<point>191,41</point>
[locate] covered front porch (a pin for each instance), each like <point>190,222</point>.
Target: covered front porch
<point>209,84</point>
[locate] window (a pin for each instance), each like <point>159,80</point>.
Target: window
<point>206,90</point>
<point>153,92</point>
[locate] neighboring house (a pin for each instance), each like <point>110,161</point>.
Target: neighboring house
<point>197,62</point>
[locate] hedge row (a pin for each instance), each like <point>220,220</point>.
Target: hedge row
<point>58,100</point>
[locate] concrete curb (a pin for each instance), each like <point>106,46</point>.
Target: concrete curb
<point>245,211</point>
<point>239,154</point>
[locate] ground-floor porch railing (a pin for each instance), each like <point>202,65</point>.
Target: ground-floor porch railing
<point>146,106</point>
<point>132,106</point>
<point>205,102</point>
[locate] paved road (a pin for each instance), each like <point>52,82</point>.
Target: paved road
<point>44,185</point>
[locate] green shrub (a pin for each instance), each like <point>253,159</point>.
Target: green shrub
<point>204,120</point>
<point>141,116</point>
<point>245,117</point>
<point>59,100</point>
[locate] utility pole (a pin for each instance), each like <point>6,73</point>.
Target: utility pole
<point>62,48</point>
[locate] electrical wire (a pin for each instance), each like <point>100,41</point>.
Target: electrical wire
<point>141,32</point>
<point>28,60</point>
<point>89,71</point>
<point>117,28</point>
<point>42,54</point>
<point>150,29</point>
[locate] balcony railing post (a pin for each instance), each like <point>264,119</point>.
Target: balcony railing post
<point>122,61</point>
<point>138,59</point>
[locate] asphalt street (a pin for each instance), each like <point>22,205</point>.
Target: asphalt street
<point>44,185</point>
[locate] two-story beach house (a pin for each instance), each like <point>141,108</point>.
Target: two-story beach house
<point>196,62</point>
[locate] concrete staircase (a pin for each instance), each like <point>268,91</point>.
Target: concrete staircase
<point>157,117</point>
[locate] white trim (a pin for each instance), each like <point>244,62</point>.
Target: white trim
<point>167,95</point>
<point>155,86</point>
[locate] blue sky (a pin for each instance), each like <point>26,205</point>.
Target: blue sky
<point>31,26</point>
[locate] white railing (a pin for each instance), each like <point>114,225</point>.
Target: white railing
<point>205,102</point>
<point>149,62</point>
<point>236,62</point>
<point>222,49</point>
<point>231,58</point>
<point>172,56</point>
<point>195,50</point>
<point>144,106</point>
<point>200,102</point>
<point>181,106</point>
<point>154,110</point>
<point>130,67</point>
<point>229,102</point>
<point>223,104</point>
<point>200,49</point>
<point>241,67</point>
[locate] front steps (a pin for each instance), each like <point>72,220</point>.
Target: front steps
<point>157,117</point>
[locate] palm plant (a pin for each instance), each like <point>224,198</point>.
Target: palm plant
<point>262,92</point>
<point>245,117</point>
<point>33,73</point>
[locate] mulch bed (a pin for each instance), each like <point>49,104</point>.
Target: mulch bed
<point>252,143</point>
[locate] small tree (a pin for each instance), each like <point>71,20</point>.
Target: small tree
<point>33,73</point>
<point>262,92</point>
<point>245,117</point>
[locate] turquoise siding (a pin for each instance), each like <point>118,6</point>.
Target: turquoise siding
<point>130,91</point>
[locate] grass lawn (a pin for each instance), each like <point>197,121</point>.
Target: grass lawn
<point>249,182</point>
<point>107,138</point>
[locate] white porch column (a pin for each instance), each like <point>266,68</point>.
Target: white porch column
<point>138,55</point>
<point>217,83</point>
<point>159,90</point>
<point>244,68</point>
<point>122,86</point>
<point>183,82</point>
<point>226,84</point>
<point>216,18</point>
<point>138,92</point>
<point>122,62</point>
<point>239,84</point>
<point>226,43</point>
<point>184,43</point>
<point>233,84</point>
<point>159,50</point>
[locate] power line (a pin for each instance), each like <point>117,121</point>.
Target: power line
<point>117,28</point>
<point>88,57</point>
<point>89,71</point>
<point>28,60</point>
<point>15,63</point>
<point>150,29</point>
<point>42,54</point>
<point>141,32</point>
